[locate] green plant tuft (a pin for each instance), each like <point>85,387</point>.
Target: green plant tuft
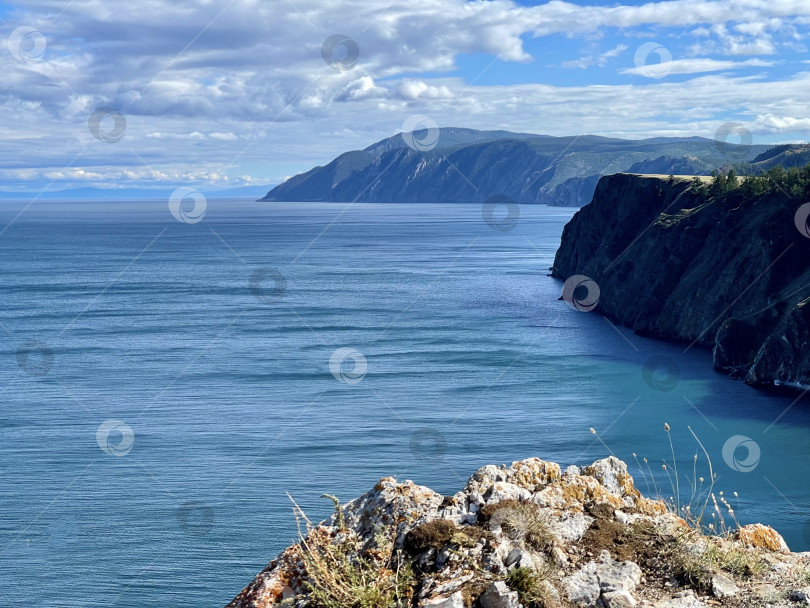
<point>534,587</point>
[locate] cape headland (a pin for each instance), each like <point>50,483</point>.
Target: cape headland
<point>457,165</point>
<point>715,263</point>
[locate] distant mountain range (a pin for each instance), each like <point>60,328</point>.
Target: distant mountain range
<point>249,192</point>
<point>466,165</point>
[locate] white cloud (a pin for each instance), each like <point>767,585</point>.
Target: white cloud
<point>590,60</point>
<point>195,136</point>
<point>224,136</point>
<point>699,65</point>
<point>208,92</point>
<point>777,124</point>
<point>417,89</point>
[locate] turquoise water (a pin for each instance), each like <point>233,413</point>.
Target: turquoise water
<point>218,373</point>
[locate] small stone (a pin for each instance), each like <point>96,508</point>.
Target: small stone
<point>582,587</point>
<point>801,595</point>
<point>454,601</point>
<point>766,591</point>
<point>626,518</point>
<point>442,557</point>
<point>616,576</point>
<point>559,556</point>
<point>498,595</point>
<point>513,557</point>
<point>618,599</point>
<point>468,519</point>
<point>724,586</point>
<point>570,527</point>
<point>427,559</point>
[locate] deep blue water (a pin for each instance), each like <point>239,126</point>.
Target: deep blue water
<point>220,372</point>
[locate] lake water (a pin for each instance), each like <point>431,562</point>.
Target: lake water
<point>214,374</point>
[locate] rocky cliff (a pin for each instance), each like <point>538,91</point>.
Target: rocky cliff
<point>728,272</point>
<point>530,535</point>
<point>465,165</point>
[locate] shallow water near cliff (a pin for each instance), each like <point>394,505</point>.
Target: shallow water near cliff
<point>180,333</point>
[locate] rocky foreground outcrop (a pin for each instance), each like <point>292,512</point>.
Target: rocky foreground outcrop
<point>535,536</point>
<point>729,272</point>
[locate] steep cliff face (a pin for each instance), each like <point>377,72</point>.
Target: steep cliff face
<point>729,272</point>
<point>470,166</point>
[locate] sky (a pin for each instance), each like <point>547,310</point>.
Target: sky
<point>229,93</point>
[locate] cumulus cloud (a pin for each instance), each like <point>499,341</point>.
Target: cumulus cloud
<point>417,89</point>
<point>209,89</point>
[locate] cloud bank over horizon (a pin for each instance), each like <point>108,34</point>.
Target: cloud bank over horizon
<point>242,92</point>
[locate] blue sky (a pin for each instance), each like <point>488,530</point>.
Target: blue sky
<point>225,94</point>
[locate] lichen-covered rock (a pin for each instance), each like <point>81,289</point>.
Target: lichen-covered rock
<point>760,536</point>
<point>612,474</point>
<point>277,582</point>
<point>530,475</point>
<point>585,538</point>
<point>404,505</point>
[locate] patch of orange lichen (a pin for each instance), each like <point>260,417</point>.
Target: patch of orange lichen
<point>576,492</point>
<point>533,473</point>
<point>650,507</point>
<point>759,536</point>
